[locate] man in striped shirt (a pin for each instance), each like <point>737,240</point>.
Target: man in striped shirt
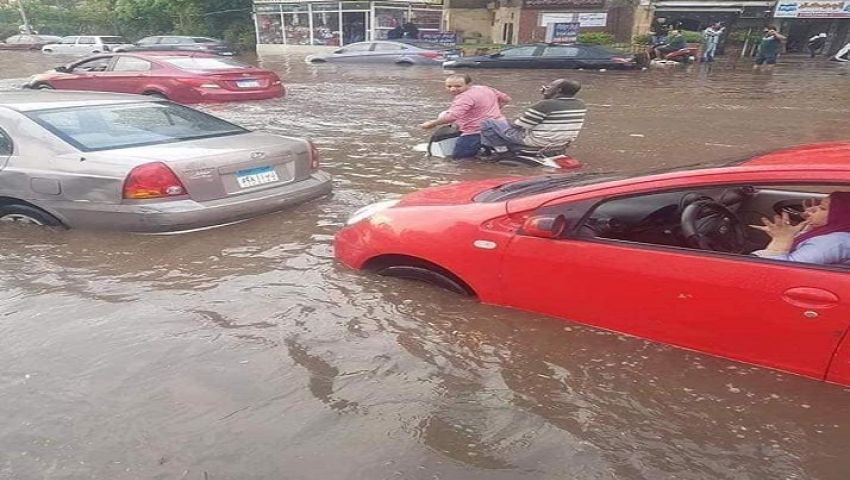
<point>552,122</point>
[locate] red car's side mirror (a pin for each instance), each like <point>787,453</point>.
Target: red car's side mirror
<point>545,226</point>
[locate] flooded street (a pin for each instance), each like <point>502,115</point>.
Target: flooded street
<point>246,352</point>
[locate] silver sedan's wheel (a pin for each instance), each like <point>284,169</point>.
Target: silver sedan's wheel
<point>22,214</point>
<point>20,219</point>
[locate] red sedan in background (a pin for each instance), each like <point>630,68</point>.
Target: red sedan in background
<point>664,257</point>
<point>181,77</point>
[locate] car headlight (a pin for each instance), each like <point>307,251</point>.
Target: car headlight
<point>369,210</point>
<point>450,63</point>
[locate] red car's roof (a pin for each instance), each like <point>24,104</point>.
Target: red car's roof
<point>835,153</point>
<point>782,170</point>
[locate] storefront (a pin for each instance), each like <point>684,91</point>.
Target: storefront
<point>329,24</point>
<point>591,15</point>
<point>803,19</point>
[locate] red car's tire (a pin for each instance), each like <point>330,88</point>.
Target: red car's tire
<point>427,275</point>
<point>42,86</point>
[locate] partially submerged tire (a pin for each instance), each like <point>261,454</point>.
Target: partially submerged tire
<point>27,215</point>
<point>427,275</point>
<point>43,86</point>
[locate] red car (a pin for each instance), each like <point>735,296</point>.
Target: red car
<point>177,76</point>
<point>663,257</point>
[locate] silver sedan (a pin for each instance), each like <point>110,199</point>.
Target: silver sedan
<point>132,163</point>
<point>408,52</point>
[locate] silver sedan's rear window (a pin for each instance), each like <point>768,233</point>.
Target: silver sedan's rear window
<point>106,127</point>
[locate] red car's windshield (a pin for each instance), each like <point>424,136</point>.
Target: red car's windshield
<point>530,186</point>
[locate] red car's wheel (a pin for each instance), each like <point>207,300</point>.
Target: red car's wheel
<point>426,274</point>
<point>43,86</point>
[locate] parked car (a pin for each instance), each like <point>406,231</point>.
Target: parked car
<point>179,76</point>
<point>663,257</point>
<point>138,164</point>
<point>172,43</point>
<point>550,56</point>
<point>85,45</point>
<point>399,53</point>
<point>28,42</point>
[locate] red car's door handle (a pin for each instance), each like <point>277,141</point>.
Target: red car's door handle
<point>809,297</point>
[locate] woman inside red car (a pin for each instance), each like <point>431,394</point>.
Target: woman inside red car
<point>822,238</point>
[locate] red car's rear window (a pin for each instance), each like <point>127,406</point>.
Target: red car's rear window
<point>205,63</point>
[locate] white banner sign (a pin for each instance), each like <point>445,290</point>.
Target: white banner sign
<point>586,19</point>
<point>812,9</point>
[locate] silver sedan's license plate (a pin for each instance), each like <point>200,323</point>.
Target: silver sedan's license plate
<point>248,83</point>
<point>256,176</point>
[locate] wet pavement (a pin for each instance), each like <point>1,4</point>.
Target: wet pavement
<point>246,353</point>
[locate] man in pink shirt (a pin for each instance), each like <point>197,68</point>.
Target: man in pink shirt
<point>471,105</point>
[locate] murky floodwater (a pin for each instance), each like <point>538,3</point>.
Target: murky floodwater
<point>246,353</point>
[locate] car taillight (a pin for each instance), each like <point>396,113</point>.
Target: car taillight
<point>566,162</point>
<point>199,82</point>
<point>432,55</point>
<point>314,156</point>
<point>152,180</point>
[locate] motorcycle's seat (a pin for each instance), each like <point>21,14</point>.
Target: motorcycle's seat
<point>547,151</point>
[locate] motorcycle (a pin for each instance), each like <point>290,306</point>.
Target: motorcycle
<point>682,55</point>
<point>442,143</point>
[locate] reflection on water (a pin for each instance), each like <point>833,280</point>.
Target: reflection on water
<point>245,352</point>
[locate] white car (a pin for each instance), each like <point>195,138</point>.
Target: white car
<point>86,44</point>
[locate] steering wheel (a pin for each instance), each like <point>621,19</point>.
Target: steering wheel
<point>709,225</point>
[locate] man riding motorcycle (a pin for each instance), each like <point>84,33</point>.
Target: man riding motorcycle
<point>554,121</point>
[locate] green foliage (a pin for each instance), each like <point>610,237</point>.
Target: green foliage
<point>644,39</point>
<point>740,36</point>
<point>596,38</point>
<point>228,19</point>
<point>692,37</point>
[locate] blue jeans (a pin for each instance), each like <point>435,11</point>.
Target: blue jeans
<point>467,146</point>
<point>499,133</point>
<point>708,53</point>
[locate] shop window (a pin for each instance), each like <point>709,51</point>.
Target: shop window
<point>387,19</point>
<point>325,27</point>
<point>356,6</point>
<point>270,29</point>
<point>426,19</point>
<point>296,28</point>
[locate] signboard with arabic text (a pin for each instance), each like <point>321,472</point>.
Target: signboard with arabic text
<point>812,9</point>
<point>574,4</point>
<point>562,32</point>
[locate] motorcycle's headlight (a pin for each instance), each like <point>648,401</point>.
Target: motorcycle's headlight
<point>369,210</point>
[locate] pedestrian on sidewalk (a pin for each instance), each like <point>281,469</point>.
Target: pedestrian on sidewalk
<point>710,39</point>
<point>816,44</point>
<point>768,50</point>
<point>471,105</point>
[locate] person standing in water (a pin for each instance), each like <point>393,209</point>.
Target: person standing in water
<point>768,50</point>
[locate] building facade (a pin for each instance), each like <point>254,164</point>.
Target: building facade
<point>524,21</point>
<point>307,24</point>
<point>801,20</point>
